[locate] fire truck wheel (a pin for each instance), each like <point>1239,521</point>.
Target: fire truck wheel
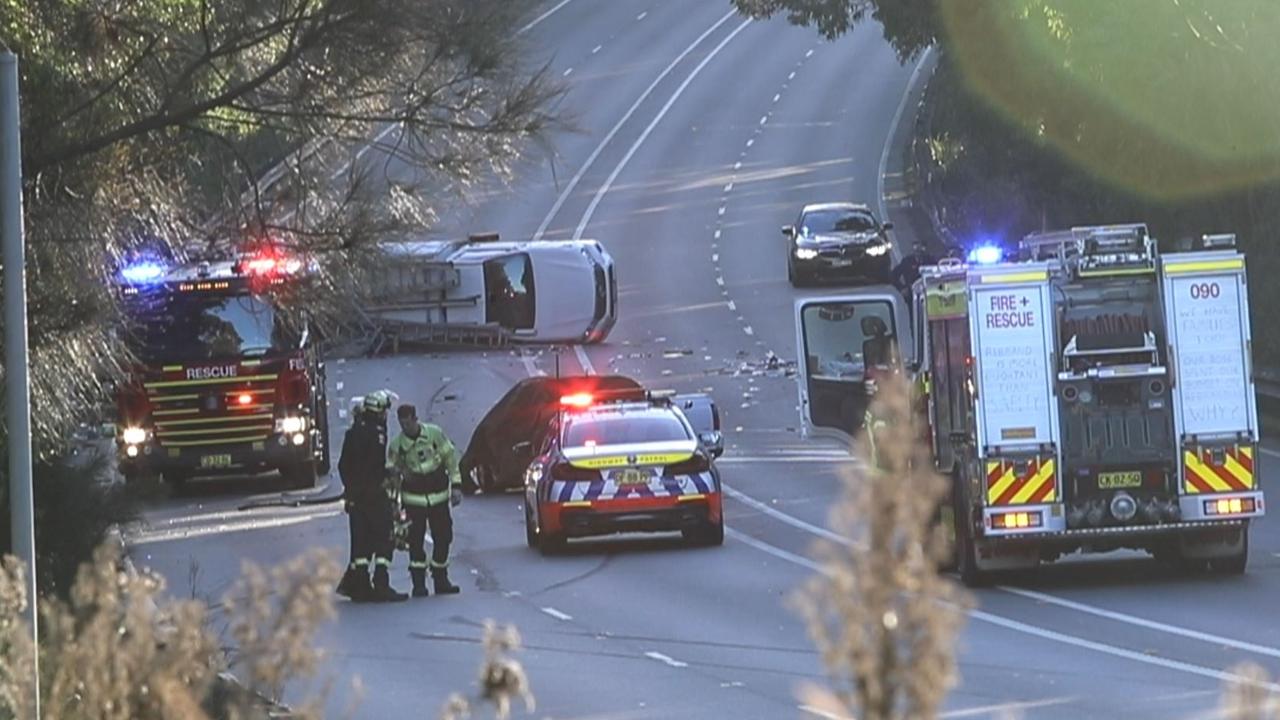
<point>299,477</point>
<point>176,481</point>
<point>966,554</point>
<point>1235,564</point>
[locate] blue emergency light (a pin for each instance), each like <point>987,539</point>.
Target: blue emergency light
<point>986,254</point>
<point>143,271</point>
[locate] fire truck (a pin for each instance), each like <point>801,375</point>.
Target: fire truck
<point>227,379</point>
<point>1089,394</point>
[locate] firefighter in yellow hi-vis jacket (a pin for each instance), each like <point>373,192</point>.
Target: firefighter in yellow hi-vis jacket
<point>426,463</point>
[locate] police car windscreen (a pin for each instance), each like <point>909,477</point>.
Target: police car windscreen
<point>208,327</point>
<point>623,430</point>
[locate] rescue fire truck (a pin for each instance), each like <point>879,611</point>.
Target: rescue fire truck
<point>227,381</point>
<point>1089,394</point>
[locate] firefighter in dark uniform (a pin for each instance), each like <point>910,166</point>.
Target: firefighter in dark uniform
<point>908,269</point>
<point>426,463</point>
<point>369,511</point>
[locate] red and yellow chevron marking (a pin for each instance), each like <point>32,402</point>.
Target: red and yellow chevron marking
<point>1201,475</point>
<point>1038,484</point>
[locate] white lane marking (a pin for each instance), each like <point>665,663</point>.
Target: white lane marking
<point>642,15</point>
<point>981,614</point>
<point>764,119</point>
<point>751,142</point>
<point>1027,629</point>
<point>728,188</point>
<point>543,16</point>
<point>721,211</point>
<point>587,367</point>
<point>530,369</point>
<point>720,281</point>
<point>888,144</point>
<point>737,165</point>
<point>608,138</point>
<point>822,713</point>
<point>716,235</point>
<point>749,330</point>
<point>809,54</point>
<point>781,460</point>
<point>715,257</point>
<point>792,76</point>
<point>779,515</point>
<point>341,385</point>
<point>596,49</point>
<point>1272,453</point>
<point>635,147</point>
<point>733,306</point>
<point>1009,708</point>
<point>566,72</point>
<point>1144,623</point>
<point>777,97</point>
<point>187,533</point>
<point>347,165</point>
<point>665,659</point>
<point>342,412</point>
<point>557,614</point>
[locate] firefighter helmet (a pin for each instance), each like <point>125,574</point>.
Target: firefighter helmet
<point>377,401</point>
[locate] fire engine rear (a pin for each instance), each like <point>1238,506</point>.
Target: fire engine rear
<point>227,381</point>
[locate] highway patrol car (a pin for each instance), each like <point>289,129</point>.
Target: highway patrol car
<point>632,462</point>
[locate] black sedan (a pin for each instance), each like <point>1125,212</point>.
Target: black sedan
<point>837,240</point>
<point>522,415</point>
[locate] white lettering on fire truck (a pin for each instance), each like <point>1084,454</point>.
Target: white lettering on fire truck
<point>217,371</point>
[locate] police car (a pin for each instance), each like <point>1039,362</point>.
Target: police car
<point>626,462</point>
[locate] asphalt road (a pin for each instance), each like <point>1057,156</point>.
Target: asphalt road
<point>703,134</point>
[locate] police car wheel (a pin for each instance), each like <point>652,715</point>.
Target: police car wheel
<point>711,535</point>
<point>551,544</point>
<point>530,537</point>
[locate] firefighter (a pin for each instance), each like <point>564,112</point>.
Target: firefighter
<point>907,271</point>
<point>426,463</point>
<point>363,471</point>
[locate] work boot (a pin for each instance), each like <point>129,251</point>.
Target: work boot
<point>419,576</point>
<point>354,584</point>
<point>382,590</point>
<point>440,577</point>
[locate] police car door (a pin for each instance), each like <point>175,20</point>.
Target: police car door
<point>830,352</point>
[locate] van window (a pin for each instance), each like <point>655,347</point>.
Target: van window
<point>509,292</point>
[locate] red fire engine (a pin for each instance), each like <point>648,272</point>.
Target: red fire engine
<point>227,380</point>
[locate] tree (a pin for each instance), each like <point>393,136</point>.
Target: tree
<point>910,26</point>
<point>146,124</point>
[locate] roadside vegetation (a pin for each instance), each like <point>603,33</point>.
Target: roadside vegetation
<point>177,128</point>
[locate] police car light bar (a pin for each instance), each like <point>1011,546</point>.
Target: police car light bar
<point>578,400</point>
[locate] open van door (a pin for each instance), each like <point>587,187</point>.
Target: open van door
<point>836,335</point>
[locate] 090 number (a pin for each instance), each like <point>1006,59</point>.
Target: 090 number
<point>1205,291</point>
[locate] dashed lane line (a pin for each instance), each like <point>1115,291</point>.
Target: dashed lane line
<point>557,614</point>
<point>608,138</point>
<point>635,146</point>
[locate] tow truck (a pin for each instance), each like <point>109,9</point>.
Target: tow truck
<point>1088,394</point>
<point>227,380</point>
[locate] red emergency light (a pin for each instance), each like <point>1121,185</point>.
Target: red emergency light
<point>266,263</point>
<point>244,399</point>
<point>577,400</point>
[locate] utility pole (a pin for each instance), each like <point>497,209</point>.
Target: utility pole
<point>17,385</point>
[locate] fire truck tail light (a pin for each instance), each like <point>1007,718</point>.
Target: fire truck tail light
<point>244,399</point>
<point>1016,520</point>
<point>1230,506</point>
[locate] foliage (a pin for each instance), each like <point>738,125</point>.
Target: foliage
<point>119,648</point>
<point>882,616</point>
<point>76,505</point>
<point>142,124</point>
<point>502,678</point>
<point>910,26</point>
<point>1250,696</point>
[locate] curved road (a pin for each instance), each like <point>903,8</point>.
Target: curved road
<point>703,133</point>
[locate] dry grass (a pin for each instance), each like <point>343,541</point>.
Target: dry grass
<point>120,648</point>
<point>502,678</point>
<point>1250,697</point>
<point>883,618</point>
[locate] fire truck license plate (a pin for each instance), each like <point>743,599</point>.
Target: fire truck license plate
<point>215,461</point>
<point>1111,480</point>
<point>631,476</point>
